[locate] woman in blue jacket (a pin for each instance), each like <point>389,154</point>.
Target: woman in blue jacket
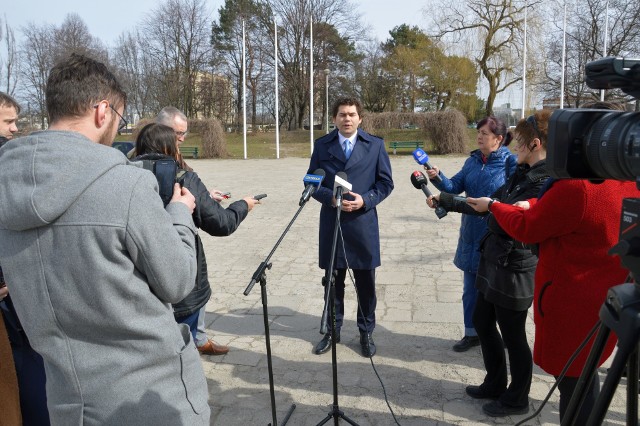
<point>486,170</point>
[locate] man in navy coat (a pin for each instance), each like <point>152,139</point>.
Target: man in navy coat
<point>364,159</point>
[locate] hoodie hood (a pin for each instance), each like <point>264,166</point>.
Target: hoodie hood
<point>44,173</point>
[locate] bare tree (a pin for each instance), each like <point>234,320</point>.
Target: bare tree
<point>37,59</point>
<point>73,36</point>
<point>136,73</point>
<point>495,27</point>
<point>585,43</point>
<point>10,64</point>
<point>294,48</point>
<point>226,38</point>
<point>177,40</point>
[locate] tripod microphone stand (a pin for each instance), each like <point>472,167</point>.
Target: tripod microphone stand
<point>330,313</point>
<point>260,275</point>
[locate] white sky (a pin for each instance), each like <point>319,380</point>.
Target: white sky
<point>107,20</point>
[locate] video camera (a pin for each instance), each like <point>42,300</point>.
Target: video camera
<point>596,143</point>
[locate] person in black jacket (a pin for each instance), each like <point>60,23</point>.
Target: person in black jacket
<point>157,141</point>
<point>505,279</point>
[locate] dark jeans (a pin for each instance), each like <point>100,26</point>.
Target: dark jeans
<point>192,321</point>
<point>567,387</point>
<point>514,337</point>
<point>366,288</point>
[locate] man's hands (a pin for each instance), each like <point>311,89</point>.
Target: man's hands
<point>350,205</point>
<point>182,195</point>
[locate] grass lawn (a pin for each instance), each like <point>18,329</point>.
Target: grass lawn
<point>296,143</point>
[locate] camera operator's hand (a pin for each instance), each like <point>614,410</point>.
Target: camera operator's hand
<point>522,204</point>
<point>431,199</point>
<point>432,172</point>
<point>480,204</point>
<point>182,195</point>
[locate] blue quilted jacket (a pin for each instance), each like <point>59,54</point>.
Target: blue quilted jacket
<point>477,179</point>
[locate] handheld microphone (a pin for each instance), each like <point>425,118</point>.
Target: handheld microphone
<point>313,182</point>
<point>422,158</point>
<point>340,184</point>
<point>419,181</point>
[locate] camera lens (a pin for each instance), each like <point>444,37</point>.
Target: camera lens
<point>612,146</point>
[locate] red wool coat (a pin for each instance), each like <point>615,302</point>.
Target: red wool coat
<point>576,222</point>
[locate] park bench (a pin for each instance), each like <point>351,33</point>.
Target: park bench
<point>405,144</point>
<point>123,147</point>
<point>189,151</point>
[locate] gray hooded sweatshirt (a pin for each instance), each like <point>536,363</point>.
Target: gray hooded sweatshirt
<point>93,261</point>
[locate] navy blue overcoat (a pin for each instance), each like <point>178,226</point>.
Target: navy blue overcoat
<point>369,171</point>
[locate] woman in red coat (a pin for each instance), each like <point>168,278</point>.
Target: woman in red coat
<point>575,223</point>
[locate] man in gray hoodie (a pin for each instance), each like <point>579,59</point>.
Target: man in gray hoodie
<point>94,261</point>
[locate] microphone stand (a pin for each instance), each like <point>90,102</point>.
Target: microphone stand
<point>261,275</point>
<point>329,305</point>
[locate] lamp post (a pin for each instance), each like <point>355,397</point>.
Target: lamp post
<point>326,98</point>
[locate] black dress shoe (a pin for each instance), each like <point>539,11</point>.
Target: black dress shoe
<point>498,409</point>
<point>466,343</point>
<point>325,344</point>
<point>367,346</point>
<point>478,392</point>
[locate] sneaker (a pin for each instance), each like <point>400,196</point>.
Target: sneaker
<point>466,343</point>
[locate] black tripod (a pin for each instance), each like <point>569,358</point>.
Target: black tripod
<point>620,313</point>
<point>330,313</point>
<point>261,275</point>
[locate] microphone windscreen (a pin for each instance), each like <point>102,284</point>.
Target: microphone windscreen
<point>418,179</point>
<point>420,156</point>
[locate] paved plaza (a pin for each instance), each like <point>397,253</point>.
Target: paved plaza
<point>419,314</point>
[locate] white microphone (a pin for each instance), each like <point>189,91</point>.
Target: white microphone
<point>340,184</point>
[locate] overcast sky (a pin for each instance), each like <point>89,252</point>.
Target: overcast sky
<point>107,20</point>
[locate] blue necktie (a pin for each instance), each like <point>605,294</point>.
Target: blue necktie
<point>347,148</point>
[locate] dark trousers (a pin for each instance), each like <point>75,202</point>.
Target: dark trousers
<point>567,387</point>
<point>29,370</point>
<point>366,288</point>
<point>514,337</point>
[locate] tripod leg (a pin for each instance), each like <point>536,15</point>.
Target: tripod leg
<point>586,376</point>
<point>632,389</point>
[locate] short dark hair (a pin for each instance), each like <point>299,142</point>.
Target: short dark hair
<point>497,127</point>
<point>346,101</point>
<point>77,83</point>
<point>7,101</point>
<point>156,138</point>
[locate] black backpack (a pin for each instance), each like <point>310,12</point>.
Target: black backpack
<point>167,173</point>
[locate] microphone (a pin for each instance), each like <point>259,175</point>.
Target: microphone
<point>339,185</point>
<point>422,158</point>
<point>419,181</point>
<point>313,182</point>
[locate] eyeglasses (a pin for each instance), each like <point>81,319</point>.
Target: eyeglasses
<point>532,120</point>
<point>181,134</point>
<point>123,123</point>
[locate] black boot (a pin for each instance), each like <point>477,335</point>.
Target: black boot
<point>367,345</point>
<point>325,344</point>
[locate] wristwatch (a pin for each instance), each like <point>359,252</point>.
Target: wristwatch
<point>491,201</point>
